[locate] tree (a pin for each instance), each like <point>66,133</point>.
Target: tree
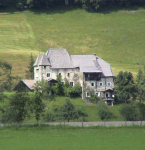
<point>75,91</point>
<point>38,106</point>
<point>103,111</point>
<point>125,87</point>
<point>8,115</point>
<point>67,111</point>
<point>5,76</point>
<point>81,112</point>
<point>42,86</point>
<point>130,111</point>
<point>141,107</point>
<point>30,69</point>
<point>20,104</point>
<point>59,86</point>
<point>140,84</point>
<point>139,76</point>
<point>49,116</point>
<point>93,98</point>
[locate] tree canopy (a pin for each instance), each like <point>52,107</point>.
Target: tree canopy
<point>125,87</point>
<point>86,4</point>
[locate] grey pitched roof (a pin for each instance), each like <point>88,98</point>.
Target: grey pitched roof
<point>37,60</point>
<point>90,69</point>
<point>105,67</point>
<point>44,61</point>
<point>59,58</point>
<point>85,63</point>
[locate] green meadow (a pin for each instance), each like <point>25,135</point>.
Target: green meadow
<point>116,36</point>
<point>72,138</point>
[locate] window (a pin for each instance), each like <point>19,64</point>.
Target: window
<point>97,93</point>
<point>68,74</point>
<point>100,83</point>
<point>108,83</point>
<point>48,75</point>
<point>36,75</point>
<point>93,83</point>
<point>59,74</point>
<point>71,84</point>
<point>87,94</point>
<point>44,67</point>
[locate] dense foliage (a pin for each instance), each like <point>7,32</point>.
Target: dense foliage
<point>125,87</point>
<point>30,69</point>
<point>67,111</point>
<point>133,111</point>
<point>103,111</point>
<point>86,4</point>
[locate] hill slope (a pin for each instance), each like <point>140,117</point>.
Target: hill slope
<point>116,37</point>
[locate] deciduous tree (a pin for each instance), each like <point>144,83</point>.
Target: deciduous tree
<point>125,87</point>
<point>103,111</point>
<point>38,106</point>
<point>67,111</point>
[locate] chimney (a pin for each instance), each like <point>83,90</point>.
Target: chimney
<point>94,57</point>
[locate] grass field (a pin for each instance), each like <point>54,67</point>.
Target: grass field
<point>117,37</point>
<point>53,138</point>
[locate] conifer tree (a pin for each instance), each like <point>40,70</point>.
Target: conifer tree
<point>30,69</point>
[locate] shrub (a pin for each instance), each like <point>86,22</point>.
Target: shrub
<point>75,91</point>
<point>103,111</point>
<point>49,116</point>
<point>130,111</point>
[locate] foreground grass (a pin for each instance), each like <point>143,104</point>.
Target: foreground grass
<point>74,138</point>
<point>117,37</point>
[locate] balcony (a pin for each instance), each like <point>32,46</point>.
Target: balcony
<point>92,77</point>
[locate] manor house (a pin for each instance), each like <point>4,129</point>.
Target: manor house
<point>90,71</point>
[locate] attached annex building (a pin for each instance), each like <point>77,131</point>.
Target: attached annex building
<point>92,72</point>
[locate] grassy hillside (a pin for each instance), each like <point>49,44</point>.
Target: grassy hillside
<point>117,37</point>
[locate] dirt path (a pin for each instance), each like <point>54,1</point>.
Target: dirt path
<point>107,123</point>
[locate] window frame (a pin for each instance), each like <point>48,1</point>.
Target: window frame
<point>100,83</point>
<point>88,94</point>
<point>49,74</point>
<point>72,83</point>
<point>109,83</point>
<point>93,83</point>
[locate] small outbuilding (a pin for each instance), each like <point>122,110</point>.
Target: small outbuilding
<point>25,85</point>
